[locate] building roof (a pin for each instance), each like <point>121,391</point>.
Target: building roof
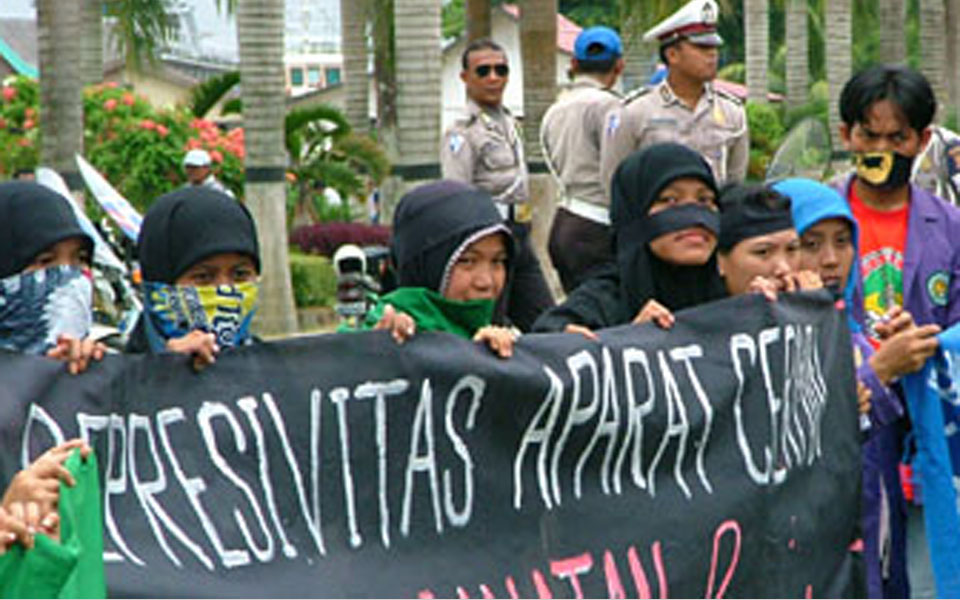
<point>567,30</point>
<point>18,45</point>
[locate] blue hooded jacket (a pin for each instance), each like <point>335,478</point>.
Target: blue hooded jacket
<point>812,202</point>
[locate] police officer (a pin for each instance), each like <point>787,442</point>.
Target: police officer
<point>483,147</point>
<point>686,107</point>
<point>571,134</point>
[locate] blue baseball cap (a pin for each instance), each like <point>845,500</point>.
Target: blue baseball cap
<point>597,43</point>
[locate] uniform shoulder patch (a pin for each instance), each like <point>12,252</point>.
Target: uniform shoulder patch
<point>641,91</point>
<point>455,141</point>
<point>728,96</point>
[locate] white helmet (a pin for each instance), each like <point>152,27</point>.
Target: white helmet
<point>349,258</point>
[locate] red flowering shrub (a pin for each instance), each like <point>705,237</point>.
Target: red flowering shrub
<point>325,238</point>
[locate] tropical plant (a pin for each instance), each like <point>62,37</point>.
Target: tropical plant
<point>260,26</point>
<point>61,87</point>
<point>418,70</point>
<point>205,95</point>
<point>354,18</point>
<point>538,45</point>
<point>756,26</point>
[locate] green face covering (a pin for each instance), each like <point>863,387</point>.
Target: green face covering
<point>432,312</point>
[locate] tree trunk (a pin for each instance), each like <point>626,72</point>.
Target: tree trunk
<point>953,55</point>
<point>260,28</point>
<point>92,53</point>
<point>893,36</point>
<point>798,54</point>
<point>354,16</point>
<point>933,48</point>
<point>839,58</point>
<point>478,19</point>
<point>418,69</point>
<point>61,87</point>
<point>640,58</point>
<point>756,16</point>
<point>538,48</point>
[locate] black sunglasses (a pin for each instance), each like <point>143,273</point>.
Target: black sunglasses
<point>502,70</point>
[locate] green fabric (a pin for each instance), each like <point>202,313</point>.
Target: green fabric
<point>432,312</point>
<point>72,568</point>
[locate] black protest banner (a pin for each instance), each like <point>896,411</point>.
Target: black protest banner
<point>718,459</point>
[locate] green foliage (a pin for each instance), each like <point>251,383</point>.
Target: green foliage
<point>144,27</point>
<point>736,72</point>
<point>766,133</point>
<point>314,279</point>
<point>818,106</point>
<point>205,95</point>
<point>19,125</point>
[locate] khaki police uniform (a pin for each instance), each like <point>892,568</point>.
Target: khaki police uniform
<point>484,148</point>
<point>571,134</point>
<point>716,128</point>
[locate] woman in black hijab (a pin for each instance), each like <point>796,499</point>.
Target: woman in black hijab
<point>46,293</point>
<point>665,222</point>
<point>200,261</point>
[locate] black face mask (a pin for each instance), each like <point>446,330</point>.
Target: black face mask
<point>682,217</point>
<point>887,170</point>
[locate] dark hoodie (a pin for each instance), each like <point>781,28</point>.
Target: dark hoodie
<point>616,294</point>
<point>32,219</point>
<point>184,227</point>
<point>432,227</point>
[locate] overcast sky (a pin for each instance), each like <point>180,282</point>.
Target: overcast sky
<point>318,19</point>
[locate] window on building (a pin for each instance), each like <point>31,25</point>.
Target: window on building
<point>296,76</point>
<point>333,76</point>
<point>313,76</point>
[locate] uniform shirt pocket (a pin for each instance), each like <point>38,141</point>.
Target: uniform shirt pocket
<point>497,156</point>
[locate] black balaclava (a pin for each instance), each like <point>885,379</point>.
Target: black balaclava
<point>432,225</point>
<point>644,276</point>
<point>189,225</point>
<point>32,219</point>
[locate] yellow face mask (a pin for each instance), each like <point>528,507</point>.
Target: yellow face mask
<point>883,170</point>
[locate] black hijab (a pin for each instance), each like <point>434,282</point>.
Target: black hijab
<point>189,225</point>
<point>432,226</point>
<point>32,219</point>
<point>644,276</point>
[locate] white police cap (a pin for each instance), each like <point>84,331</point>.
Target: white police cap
<point>696,21</point>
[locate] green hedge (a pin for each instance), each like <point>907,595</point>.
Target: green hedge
<point>314,280</point>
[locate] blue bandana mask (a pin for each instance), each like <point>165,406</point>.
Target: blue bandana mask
<point>39,306</point>
<point>173,311</point>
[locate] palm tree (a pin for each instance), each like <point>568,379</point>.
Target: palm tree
<point>953,54</point>
<point>839,56</point>
<point>61,86</point>
<point>798,55</point>
<point>354,17</point>
<point>538,49</point>
<point>933,48</point>
<point>757,30</point>
<point>478,19</point>
<point>417,66</point>
<point>893,37</point>
<point>92,40</point>
<point>260,27</point>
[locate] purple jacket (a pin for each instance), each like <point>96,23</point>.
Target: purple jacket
<point>886,570</point>
<point>931,262</point>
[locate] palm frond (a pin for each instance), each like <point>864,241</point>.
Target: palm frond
<point>204,96</point>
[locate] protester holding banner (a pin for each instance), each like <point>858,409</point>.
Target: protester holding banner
<point>759,249</point>
<point>453,253</point>
<point>51,528</point>
<point>665,225</point>
<point>200,260</point>
<point>46,295</point>
<point>829,243</point>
